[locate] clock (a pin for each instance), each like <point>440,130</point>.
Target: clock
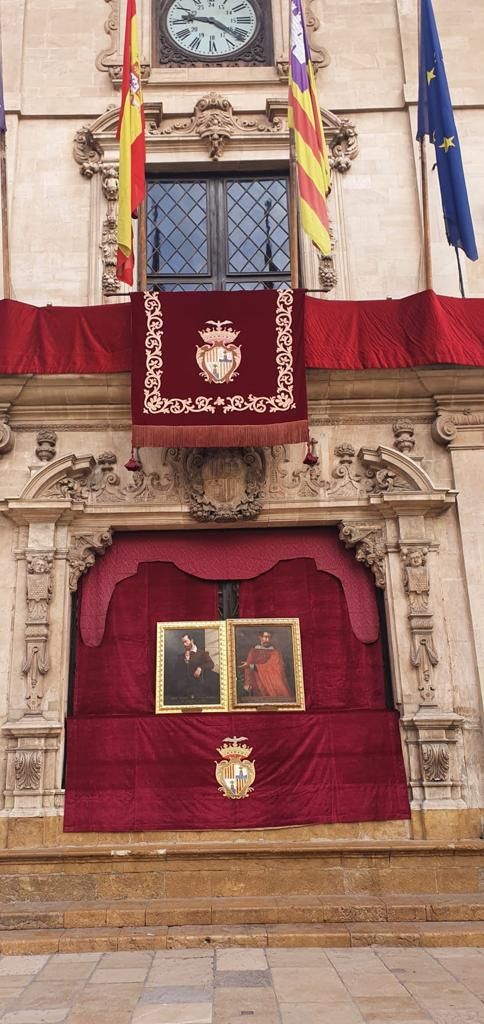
<point>207,32</point>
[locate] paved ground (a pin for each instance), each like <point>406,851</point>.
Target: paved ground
<point>245,986</point>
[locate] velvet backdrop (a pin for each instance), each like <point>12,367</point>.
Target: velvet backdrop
<point>129,769</point>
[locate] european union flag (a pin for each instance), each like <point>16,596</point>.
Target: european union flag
<point>436,119</point>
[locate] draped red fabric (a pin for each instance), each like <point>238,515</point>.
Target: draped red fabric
<point>418,330</point>
<point>228,555</point>
<point>339,670</point>
<point>129,769</point>
<point>118,678</point>
<point>158,772</point>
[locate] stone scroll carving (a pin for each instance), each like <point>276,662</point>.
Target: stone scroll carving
<point>82,553</point>
<point>39,589</point>
<point>369,546</point>
<point>109,241</point>
<point>435,761</point>
<point>214,121</point>
<point>416,583</point>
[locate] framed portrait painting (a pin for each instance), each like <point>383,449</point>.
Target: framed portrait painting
<point>265,664</point>
<point>191,667</point>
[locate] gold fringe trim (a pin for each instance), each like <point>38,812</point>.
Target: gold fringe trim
<point>230,436</point>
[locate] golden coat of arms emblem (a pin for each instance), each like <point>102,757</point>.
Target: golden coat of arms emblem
<point>235,774</point>
<point>219,358</point>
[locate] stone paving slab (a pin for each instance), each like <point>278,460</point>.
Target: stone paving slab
<point>364,985</point>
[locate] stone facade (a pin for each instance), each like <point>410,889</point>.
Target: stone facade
<point>401,453</point>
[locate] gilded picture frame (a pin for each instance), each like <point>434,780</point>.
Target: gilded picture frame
<point>265,671</point>
<point>191,667</point>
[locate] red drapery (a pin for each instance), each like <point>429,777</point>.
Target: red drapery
<point>128,769</point>
<point>418,330</point>
<point>228,555</point>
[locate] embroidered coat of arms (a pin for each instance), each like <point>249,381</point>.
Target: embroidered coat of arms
<point>235,774</point>
<point>219,358</point>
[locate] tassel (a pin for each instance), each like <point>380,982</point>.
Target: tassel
<point>133,465</point>
<point>310,459</point>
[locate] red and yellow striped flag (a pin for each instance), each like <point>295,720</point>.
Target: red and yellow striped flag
<point>132,152</point>
<point>313,171</point>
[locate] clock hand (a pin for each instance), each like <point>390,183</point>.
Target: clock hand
<point>218,24</point>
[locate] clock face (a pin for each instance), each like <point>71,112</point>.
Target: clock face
<point>211,29</point>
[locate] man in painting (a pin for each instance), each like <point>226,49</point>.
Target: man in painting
<point>196,681</point>
<point>264,671</point>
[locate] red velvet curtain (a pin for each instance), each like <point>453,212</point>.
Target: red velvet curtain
<point>118,678</point>
<point>339,670</point>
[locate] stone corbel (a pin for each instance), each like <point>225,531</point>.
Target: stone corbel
<point>368,542</point>
<point>82,553</point>
<point>6,436</point>
<point>464,417</point>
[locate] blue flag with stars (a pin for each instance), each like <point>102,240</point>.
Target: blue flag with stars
<point>436,119</point>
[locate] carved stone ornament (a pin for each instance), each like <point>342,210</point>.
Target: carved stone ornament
<point>39,588</point>
<point>416,583</point>
<point>404,433</point>
<point>28,766</point>
<point>87,152</point>
<point>320,57</point>
<point>468,415</point>
<point>46,445</point>
<point>82,553</point>
<point>215,122</point>
<point>346,481</point>
<point>224,484</point>
<point>284,480</point>
<point>6,436</point>
<point>435,761</point>
<point>368,543</point>
<point>110,57</point>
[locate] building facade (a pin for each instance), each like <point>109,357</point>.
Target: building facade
<point>400,451</point>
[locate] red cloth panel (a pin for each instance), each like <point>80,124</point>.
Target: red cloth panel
<point>119,677</point>
<point>158,772</point>
<point>218,368</point>
<point>339,670</point>
<point>418,330</point>
<point>228,555</point>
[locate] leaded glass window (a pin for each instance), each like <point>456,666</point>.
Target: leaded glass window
<point>218,233</point>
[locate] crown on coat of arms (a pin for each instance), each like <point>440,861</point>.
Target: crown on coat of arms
<point>218,332</point>
<point>234,746</point>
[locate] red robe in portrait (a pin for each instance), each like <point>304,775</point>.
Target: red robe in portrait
<point>265,675</point>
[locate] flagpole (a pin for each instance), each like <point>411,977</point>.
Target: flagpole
<point>142,253</point>
<point>459,269</point>
<point>428,276</point>
<point>293,218</point>
<point>426,216</point>
<point>7,284</point>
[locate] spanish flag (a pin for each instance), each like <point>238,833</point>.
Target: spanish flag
<point>313,171</point>
<point>131,135</point>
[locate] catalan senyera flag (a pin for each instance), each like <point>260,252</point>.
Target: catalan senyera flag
<point>436,119</point>
<point>132,151</point>
<point>313,171</point>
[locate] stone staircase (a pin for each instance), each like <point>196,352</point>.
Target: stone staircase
<point>78,899</point>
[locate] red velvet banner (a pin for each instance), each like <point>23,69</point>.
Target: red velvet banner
<point>148,773</point>
<point>418,330</point>
<point>218,368</point>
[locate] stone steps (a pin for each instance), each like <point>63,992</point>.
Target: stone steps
<point>233,911</point>
<point>104,939</point>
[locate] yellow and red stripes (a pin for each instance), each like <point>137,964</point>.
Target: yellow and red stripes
<point>132,150</point>
<point>311,152</point>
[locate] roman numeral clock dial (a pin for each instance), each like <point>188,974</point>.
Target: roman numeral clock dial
<point>212,29</point>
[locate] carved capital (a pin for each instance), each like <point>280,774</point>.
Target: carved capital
<point>82,553</point>
<point>435,761</point>
<point>453,417</point>
<point>28,767</point>
<point>369,547</point>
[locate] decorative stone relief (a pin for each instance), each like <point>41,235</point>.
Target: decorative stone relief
<point>320,57</point>
<point>423,656</point>
<point>28,767</point>
<point>87,152</point>
<point>284,480</point>
<point>214,121</point>
<point>328,277</point>
<point>109,241</point>
<point>224,484</point>
<point>6,436</point>
<point>35,665</point>
<point>84,548</point>
<point>435,761</point>
<point>368,543</point>
<point>109,57</point>
<point>346,481</point>
<point>404,434</point>
<point>468,415</point>
<point>46,445</point>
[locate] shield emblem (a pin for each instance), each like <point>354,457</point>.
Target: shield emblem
<point>219,358</point>
<point>236,773</point>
